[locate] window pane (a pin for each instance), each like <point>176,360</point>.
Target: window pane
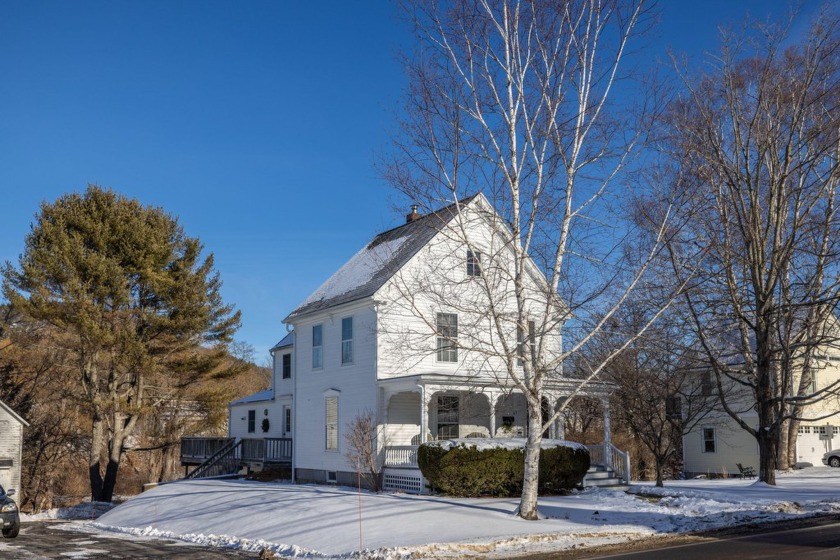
<point>287,366</point>
<point>447,347</point>
<point>473,263</point>
<point>252,421</point>
<point>347,340</point>
<point>317,347</point>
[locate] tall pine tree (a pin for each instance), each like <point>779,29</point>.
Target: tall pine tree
<point>137,303</point>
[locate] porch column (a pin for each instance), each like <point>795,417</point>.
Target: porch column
<point>560,423</point>
<point>607,432</point>
<point>424,413</point>
<point>552,428</point>
<point>492,396</point>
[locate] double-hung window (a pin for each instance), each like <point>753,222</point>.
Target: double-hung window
<point>331,423</point>
<point>347,340</point>
<point>287,366</point>
<point>521,346</point>
<point>447,337</point>
<point>473,263</point>
<point>317,346</point>
<point>709,440</point>
<point>447,417</point>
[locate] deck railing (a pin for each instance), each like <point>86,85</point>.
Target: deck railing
<point>197,449</point>
<point>222,463</point>
<point>401,456</point>
<point>267,450</point>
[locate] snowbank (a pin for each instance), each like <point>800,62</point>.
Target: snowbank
<point>333,522</point>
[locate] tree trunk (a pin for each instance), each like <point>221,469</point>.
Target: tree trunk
<point>767,433</point>
<point>97,442</point>
<point>660,466</point>
<point>530,483</point>
<point>793,433</point>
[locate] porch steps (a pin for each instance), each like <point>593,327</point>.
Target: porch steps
<point>600,476</point>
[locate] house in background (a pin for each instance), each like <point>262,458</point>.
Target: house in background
<point>395,332</point>
<point>717,444</point>
<point>11,446</point>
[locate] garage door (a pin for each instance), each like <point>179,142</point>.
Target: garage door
<point>810,448</point>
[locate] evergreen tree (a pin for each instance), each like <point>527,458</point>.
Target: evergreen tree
<point>138,306</point>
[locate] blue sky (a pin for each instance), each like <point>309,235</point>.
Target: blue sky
<point>256,123</point>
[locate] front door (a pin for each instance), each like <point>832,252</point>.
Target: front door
<point>287,421</point>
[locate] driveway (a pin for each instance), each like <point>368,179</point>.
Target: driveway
<point>55,539</point>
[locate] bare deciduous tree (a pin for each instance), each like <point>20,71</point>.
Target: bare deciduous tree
<point>360,436</point>
<point>659,397</point>
<point>756,141</point>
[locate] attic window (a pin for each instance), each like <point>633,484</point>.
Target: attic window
<point>473,263</point>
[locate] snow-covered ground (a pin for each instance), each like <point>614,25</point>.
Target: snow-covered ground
<point>327,522</point>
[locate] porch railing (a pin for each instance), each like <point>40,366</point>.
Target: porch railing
<point>197,449</point>
<point>401,456</point>
<point>222,463</point>
<point>267,450</point>
<point>612,458</point>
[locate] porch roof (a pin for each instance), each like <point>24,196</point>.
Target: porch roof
<point>481,383</point>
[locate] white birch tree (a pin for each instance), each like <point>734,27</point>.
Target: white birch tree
<point>518,100</point>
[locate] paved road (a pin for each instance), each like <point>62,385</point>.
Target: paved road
<point>46,539</point>
<point>819,542</point>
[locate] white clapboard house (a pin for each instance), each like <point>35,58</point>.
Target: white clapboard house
<point>717,444</point>
<point>394,332</point>
<point>11,446</point>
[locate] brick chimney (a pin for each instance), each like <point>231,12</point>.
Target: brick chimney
<point>414,216</point>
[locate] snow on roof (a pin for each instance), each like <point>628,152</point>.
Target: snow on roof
<point>288,340</point>
<point>371,267</point>
<point>266,395</point>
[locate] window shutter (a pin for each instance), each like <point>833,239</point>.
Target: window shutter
<point>331,421</point>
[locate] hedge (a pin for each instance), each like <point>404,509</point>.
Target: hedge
<point>465,470</point>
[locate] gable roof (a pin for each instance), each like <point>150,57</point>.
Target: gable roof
<point>371,267</point>
<point>14,414</point>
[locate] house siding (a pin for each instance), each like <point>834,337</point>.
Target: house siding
<point>11,444</point>
<point>408,342</point>
<point>736,445</point>
<point>354,384</point>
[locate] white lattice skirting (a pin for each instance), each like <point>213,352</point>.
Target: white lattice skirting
<point>410,482</point>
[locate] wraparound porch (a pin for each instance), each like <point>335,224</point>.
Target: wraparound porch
<point>448,408</point>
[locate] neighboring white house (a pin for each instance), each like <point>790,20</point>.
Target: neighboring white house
<point>11,445</point>
<point>389,334</point>
<point>717,444</point>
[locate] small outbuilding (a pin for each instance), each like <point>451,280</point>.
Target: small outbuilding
<point>11,445</point>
